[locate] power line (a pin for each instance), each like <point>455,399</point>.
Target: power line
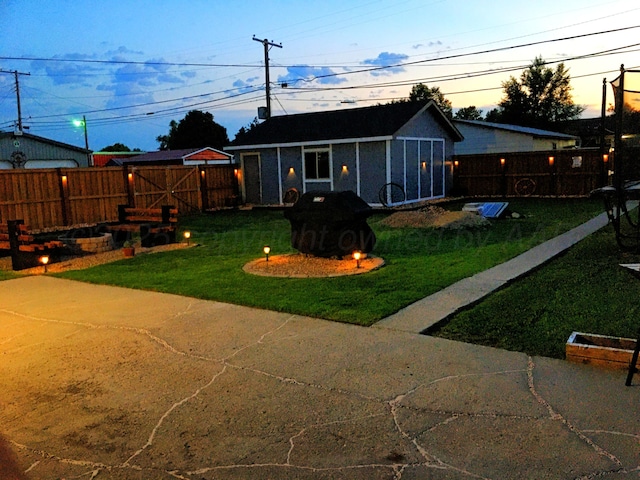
<point>254,89</point>
<point>246,65</point>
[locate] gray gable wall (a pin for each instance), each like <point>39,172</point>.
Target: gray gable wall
<point>39,152</point>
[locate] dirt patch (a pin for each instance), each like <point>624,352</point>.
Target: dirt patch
<point>306,266</point>
<point>435,217</point>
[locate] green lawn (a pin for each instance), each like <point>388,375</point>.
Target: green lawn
<point>584,290</point>
<point>7,275</point>
<point>418,261</point>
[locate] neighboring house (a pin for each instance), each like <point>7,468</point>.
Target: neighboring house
<point>187,156</point>
<point>488,137</point>
<point>101,159</point>
<point>361,149</point>
<point>24,150</point>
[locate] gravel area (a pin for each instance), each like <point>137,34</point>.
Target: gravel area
<point>89,260</point>
<point>435,217</point>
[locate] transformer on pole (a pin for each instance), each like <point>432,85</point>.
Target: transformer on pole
<point>266,43</point>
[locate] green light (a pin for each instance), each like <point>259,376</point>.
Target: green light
<point>78,123</point>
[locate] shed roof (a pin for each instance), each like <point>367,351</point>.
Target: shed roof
<point>353,123</point>
<point>535,132</point>
<point>161,156</point>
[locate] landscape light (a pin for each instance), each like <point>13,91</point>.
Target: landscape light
<point>266,250</point>
<point>605,157</point>
<point>44,260</point>
<point>345,169</point>
<point>357,255</point>
<point>551,161</point>
<point>291,171</point>
<point>456,163</point>
<point>187,236</point>
<point>502,161</point>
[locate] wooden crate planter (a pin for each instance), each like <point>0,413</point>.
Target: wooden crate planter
<point>600,350</point>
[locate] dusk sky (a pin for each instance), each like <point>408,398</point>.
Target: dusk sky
<point>131,67</point>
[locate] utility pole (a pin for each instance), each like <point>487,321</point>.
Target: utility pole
<point>266,43</point>
<point>16,73</point>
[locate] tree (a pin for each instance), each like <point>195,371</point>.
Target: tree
<point>244,130</point>
<point>422,93</point>
<point>540,98</point>
<point>116,147</point>
<point>468,113</point>
<point>197,129</point>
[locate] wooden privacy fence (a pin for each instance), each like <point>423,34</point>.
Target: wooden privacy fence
<point>571,172</point>
<point>49,199</point>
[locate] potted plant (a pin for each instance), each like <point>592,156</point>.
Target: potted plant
<point>128,249</point>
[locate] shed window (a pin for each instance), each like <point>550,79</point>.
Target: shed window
<point>316,165</point>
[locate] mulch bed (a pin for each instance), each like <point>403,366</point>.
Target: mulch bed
<point>306,266</point>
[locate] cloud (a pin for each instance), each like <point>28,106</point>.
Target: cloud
<point>437,44</point>
<point>65,72</point>
<point>322,75</point>
<point>122,51</point>
<point>387,60</point>
<point>244,86</point>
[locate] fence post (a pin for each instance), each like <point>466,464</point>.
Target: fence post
<point>129,186</point>
<point>554,178</point>
<point>503,177</point>
<point>204,194</point>
<point>63,184</point>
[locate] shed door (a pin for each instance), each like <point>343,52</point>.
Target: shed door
<point>252,178</point>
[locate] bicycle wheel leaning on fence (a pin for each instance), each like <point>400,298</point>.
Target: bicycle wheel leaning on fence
<point>391,194</point>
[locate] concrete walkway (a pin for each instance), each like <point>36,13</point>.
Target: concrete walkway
<point>424,313</point>
<point>101,382</point>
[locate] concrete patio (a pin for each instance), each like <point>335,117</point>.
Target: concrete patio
<point>109,383</point>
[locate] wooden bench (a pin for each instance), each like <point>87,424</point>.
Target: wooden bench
<point>156,226</point>
<point>26,250</point>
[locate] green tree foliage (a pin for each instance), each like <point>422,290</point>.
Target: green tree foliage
<point>244,130</point>
<point>422,93</point>
<point>196,130</point>
<point>540,97</point>
<point>116,147</point>
<point>468,113</point>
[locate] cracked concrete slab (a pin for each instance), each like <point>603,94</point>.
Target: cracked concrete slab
<point>107,383</point>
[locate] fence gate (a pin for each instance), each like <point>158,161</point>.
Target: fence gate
<point>154,187</point>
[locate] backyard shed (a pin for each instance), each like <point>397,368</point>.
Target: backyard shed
<point>19,150</point>
<point>409,144</point>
